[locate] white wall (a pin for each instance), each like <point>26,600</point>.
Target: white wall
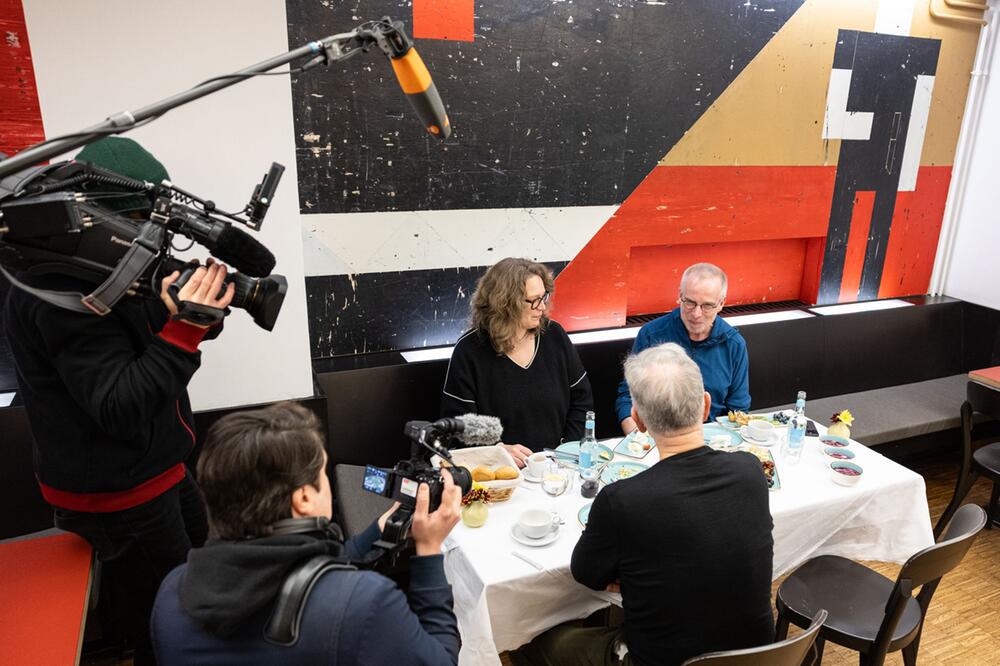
<point>96,58</point>
<point>971,269</point>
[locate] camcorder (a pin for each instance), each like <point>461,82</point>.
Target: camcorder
<point>402,481</point>
<point>83,221</point>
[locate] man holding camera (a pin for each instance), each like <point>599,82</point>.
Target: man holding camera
<point>263,474</point>
<point>112,424</point>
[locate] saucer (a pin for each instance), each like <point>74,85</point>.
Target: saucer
<point>745,434</point>
<point>520,537</point>
<point>526,475</point>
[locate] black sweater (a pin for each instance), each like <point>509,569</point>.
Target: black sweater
<point>538,406</point>
<point>106,396</point>
<point>690,540</point>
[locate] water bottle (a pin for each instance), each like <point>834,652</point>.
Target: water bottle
<point>797,430</point>
<point>588,445</point>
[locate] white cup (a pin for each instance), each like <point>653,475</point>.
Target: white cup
<point>536,523</point>
<point>760,429</point>
<point>537,463</point>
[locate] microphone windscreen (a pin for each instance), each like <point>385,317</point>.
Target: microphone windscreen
<point>480,430</point>
<point>243,252</point>
<point>415,80</point>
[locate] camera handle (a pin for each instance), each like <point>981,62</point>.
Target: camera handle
<point>394,534</point>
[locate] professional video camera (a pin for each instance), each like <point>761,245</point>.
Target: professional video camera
<point>426,440</point>
<point>67,218</point>
<point>60,218</point>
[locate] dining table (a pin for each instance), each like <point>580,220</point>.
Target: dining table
<point>506,593</point>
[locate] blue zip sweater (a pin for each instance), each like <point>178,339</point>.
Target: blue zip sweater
<point>722,358</point>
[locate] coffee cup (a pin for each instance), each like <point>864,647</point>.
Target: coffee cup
<point>760,430</point>
<point>537,463</point>
<point>536,523</point>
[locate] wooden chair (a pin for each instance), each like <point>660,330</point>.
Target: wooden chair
<point>867,611</point>
<point>788,652</point>
<point>979,455</point>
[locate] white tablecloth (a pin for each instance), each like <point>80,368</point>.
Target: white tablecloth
<point>503,602</point>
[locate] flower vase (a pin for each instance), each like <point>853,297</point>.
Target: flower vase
<point>474,514</point>
<point>839,429</point>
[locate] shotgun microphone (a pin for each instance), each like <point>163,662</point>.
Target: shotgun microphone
<point>413,77</point>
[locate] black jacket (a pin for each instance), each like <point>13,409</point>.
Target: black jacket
<point>106,396</point>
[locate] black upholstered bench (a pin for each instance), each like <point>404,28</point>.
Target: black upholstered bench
<point>895,413</point>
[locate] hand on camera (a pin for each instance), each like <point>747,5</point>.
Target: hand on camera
<point>430,529</point>
<point>519,453</point>
<point>203,288</point>
<point>385,516</point>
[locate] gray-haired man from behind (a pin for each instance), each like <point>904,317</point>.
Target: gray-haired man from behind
<point>687,542</point>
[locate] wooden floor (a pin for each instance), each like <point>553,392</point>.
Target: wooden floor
<point>963,623</point>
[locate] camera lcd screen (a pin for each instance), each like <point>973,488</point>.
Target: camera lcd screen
<point>375,479</point>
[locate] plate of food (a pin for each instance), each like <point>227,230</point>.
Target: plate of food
<point>604,452</point>
<point>734,420</point>
<point>767,463</point>
<point>617,471</point>
<point>635,444</point>
<point>721,438</point>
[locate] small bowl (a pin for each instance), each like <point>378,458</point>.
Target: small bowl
<point>846,478</point>
<point>833,440</point>
<point>838,453</point>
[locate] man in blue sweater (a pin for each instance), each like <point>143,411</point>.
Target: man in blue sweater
<point>263,473</point>
<point>717,348</point>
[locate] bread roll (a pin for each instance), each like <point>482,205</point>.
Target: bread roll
<point>506,472</point>
<point>482,473</point>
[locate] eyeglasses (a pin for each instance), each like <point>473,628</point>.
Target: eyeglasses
<point>689,305</point>
<point>536,303</point>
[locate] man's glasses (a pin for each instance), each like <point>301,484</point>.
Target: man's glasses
<point>536,303</point>
<point>706,308</point>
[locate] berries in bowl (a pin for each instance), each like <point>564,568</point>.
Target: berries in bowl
<point>845,473</point>
<point>834,440</point>
<point>838,453</point>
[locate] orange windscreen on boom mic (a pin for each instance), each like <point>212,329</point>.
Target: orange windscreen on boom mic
<point>416,82</point>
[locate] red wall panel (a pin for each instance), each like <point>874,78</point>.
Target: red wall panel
<point>21,120</point>
<point>444,19</point>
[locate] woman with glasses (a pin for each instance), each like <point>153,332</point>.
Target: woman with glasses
<point>517,364</point>
<point>717,348</point>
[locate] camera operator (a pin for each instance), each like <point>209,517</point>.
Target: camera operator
<point>109,411</point>
<point>263,473</point>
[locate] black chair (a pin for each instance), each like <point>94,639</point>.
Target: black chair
<point>867,611</point>
<point>979,456</point>
<point>789,652</point>
<point>354,508</point>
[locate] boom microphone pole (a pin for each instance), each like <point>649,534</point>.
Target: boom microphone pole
<point>387,34</point>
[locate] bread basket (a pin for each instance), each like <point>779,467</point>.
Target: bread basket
<point>492,457</point>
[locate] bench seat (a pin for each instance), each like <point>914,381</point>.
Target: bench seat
<point>894,413</point>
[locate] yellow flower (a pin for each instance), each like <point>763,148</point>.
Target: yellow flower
<point>846,417</point>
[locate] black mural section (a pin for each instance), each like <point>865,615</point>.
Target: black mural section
<point>370,312</point>
<point>883,81</point>
<point>553,103</point>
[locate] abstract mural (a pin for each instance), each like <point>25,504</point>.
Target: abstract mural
<point>805,146</point>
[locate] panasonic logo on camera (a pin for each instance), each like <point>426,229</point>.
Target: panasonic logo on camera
<point>120,241</point>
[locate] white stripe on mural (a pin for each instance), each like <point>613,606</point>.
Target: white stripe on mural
<point>915,132</point>
<point>894,17</point>
<point>345,243</point>
<point>838,122</point>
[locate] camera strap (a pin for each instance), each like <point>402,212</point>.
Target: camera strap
<point>143,251</point>
<point>283,626</point>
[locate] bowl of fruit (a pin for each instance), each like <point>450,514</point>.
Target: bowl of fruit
<point>846,473</point>
<point>838,453</point>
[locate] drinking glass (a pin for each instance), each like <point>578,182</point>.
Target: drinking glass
<point>556,481</point>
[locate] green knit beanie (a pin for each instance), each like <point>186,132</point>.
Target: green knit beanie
<point>127,158</point>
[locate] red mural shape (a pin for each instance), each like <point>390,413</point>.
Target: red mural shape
<point>444,19</point>
<point>766,226</point>
<point>21,121</point>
